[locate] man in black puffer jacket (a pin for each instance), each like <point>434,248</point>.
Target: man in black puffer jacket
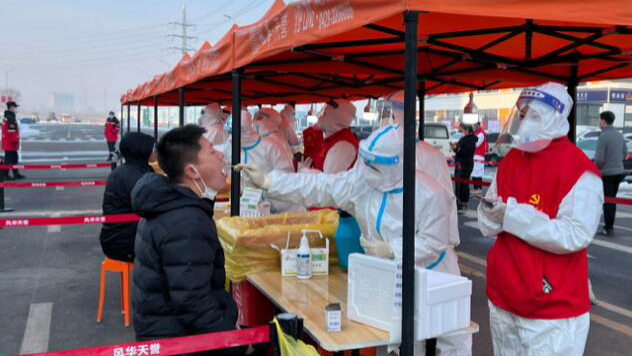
<point>178,284</point>
<point>117,239</point>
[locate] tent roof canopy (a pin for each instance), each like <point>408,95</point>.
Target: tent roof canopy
<point>312,51</point>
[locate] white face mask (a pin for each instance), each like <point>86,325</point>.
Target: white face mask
<point>529,134</point>
<point>204,191</point>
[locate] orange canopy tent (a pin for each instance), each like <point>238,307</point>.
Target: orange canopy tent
<point>315,50</point>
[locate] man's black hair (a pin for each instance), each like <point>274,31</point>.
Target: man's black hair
<point>467,127</point>
<point>607,116</point>
<point>177,148</point>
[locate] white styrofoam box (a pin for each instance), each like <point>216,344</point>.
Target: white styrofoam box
<point>442,301</point>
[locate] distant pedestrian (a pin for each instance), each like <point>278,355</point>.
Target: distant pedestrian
<point>112,128</point>
<point>479,156</point>
<point>11,140</point>
<point>117,239</point>
<point>464,158</point>
<point>609,155</point>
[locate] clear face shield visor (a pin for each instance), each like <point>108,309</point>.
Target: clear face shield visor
<point>386,110</point>
<point>524,127</point>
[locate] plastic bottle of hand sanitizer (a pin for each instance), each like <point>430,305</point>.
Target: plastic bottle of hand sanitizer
<point>304,259</point>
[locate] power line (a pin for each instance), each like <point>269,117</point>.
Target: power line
<point>248,8</point>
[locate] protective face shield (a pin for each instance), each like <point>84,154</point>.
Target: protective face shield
<point>248,132</point>
<point>391,109</point>
<point>267,121</point>
<point>336,115</point>
<point>380,157</point>
<point>539,116</point>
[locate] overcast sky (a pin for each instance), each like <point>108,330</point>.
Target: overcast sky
<point>97,49</point>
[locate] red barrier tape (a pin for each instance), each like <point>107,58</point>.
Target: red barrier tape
<point>57,166</point>
<point>79,183</point>
<point>173,346</point>
<point>69,220</point>
<point>611,200</point>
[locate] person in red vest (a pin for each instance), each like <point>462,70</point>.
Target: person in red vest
<point>339,148</point>
<point>112,128</point>
<point>11,139</point>
<point>544,207</point>
<point>479,155</point>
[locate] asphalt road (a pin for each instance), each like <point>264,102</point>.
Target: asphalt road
<point>49,275</point>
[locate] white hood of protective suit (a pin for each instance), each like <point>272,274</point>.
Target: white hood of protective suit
<point>267,121</point>
<point>212,115</point>
<point>334,119</point>
<point>385,143</point>
<point>288,125</point>
<point>551,124</point>
<point>249,134</point>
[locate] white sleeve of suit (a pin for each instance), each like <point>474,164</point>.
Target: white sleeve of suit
<point>318,189</point>
<point>571,230</point>
<point>339,157</point>
<point>487,226</point>
<point>480,138</point>
<point>433,228</point>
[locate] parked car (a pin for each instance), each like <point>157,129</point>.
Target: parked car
<point>497,150</point>
<point>588,146</point>
<point>455,136</point>
<point>27,121</point>
<point>438,136</point>
<point>589,134</point>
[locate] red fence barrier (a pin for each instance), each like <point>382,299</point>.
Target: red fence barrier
<point>69,220</point>
<point>173,346</point>
<point>78,183</point>
<point>57,166</point>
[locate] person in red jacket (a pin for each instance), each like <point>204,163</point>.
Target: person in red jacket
<point>112,128</point>
<point>479,156</point>
<point>11,139</point>
<point>544,207</point>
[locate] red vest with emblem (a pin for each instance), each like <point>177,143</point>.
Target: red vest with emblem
<point>482,149</point>
<point>342,135</point>
<point>518,272</point>
<point>313,139</point>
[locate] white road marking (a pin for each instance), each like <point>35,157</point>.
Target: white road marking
<point>53,228</point>
<point>612,245</point>
<point>37,331</point>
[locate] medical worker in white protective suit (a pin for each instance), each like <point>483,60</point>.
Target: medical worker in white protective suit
<point>288,127</point>
<point>339,150</point>
<point>547,204</point>
<point>264,152</point>
<point>428,158</point>
<point>267,123</point>
<point>213,121</point>
<point>372,192</point>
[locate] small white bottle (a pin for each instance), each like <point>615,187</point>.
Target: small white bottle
<point>304,259</point>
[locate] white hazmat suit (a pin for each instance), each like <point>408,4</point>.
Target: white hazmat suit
<point>428,159</point>
<point>543,119</point>
<point>212,120</point>
<point>288,127</point>
<point>264,152</point>
<point>267,123</point>
<point>372,192</point>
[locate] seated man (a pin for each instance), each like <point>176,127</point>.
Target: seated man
<point>178,284</point>
<point>117,239</point>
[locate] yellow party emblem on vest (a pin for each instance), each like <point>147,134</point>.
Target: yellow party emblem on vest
<point>535,200</point>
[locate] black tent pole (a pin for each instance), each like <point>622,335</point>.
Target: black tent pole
<point>181,107</point>
<point>421,94</point>
<point>138,118</point>
<point>411,19</point>
<point>156,117</point>
<point>236,143</point>
<point>129,114</point>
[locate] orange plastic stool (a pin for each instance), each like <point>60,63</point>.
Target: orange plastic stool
<point>125,268</point>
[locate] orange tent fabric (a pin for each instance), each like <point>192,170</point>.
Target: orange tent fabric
<point>310,51</point>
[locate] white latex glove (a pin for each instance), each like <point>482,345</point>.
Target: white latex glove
<point>257,177</point>
<point>376,248</point>
<point>305,164</point>
<point>496,212</point>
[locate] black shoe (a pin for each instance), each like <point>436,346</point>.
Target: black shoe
<point>18,176</point>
